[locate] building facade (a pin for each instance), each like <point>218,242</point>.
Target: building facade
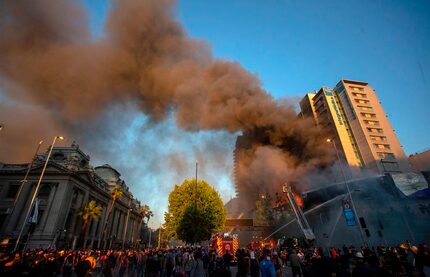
<point>420,161</point>
<point>359,126</point>
<point>69,183</point>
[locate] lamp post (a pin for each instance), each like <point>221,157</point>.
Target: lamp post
<point>347,187</point>
<point>25,177</point>
<point>150,233</point>
<point>36,190</point>
<point>159,237</point>
<point>126,225</point>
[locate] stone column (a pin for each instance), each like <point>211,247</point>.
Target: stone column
<point>50,216</point>
<point>23,203</point>
<point>101,224</point>
<point>11,223</point>
<point>76,216</point>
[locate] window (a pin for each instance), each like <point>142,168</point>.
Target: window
<point>39,216</point>
<point>363,108</point>
<point>390,166</point>
<point>361,95</point>
<point>12,190</point>
<point>390,156</point>
<point>382,146</point>
<point>378,138</point>
<point>345,96</point>
<point>385,155</point>
<point>340,88</point>
<point>360,101</point>
<point>58,156</point>
<point>44,192</point>
<point>356,88</point>
<point>374,130</point>
<point>368,115</point>
<point>371,122</point>
<point>328,92</point>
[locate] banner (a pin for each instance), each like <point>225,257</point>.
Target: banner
<point>349,214</point>
<point>32,219</point>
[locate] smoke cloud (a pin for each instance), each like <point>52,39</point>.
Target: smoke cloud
<point>49,60</point>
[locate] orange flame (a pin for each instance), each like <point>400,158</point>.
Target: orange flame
<point>299,200</point>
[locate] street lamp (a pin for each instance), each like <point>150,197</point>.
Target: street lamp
<point>36,190</point>
<point>25,177</point>
<point>126,225</point>
<point>347,187</point>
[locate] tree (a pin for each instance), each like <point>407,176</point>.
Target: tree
<point>264,213</point>
<point>91,210</point>
<point>145,212</point>
<point>195,212</point>
<point>116,193</point>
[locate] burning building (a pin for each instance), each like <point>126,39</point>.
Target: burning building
<point>391,209</point>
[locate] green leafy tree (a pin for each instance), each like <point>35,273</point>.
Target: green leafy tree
<point>145,212</point>
<point>194,213</point>
<point>264,213</point>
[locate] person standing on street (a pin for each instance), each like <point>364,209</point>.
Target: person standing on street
<point>267,267</point>
<point>295,264</point>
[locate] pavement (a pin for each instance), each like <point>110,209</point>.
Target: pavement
<point>286,271</point>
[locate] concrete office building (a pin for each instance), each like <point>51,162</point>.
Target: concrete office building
<point>355,119</point>
<point>420,161</point>
<point>69,183</point>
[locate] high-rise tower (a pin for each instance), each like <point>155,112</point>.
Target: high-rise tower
<point>353,115</point>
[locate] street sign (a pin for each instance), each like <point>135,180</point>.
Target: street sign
<point>349,214</point>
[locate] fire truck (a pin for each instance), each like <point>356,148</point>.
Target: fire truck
<point>225,242</point>
<point>261,244</point>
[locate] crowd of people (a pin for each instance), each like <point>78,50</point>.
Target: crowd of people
<point>403,260</point>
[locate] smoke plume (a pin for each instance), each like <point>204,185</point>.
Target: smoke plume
<point>49,60</point>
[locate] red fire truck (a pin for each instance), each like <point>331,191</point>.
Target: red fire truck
<point>225,242</point>
<point>261,244</point>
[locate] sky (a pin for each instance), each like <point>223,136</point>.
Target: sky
<point>294,47</point>
<point>299,46</point>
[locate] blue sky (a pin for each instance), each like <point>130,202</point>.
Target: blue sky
<point>298,46</point>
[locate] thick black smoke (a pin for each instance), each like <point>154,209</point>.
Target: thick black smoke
<point>49,60</point>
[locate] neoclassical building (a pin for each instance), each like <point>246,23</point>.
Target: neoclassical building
<point>69,183</point>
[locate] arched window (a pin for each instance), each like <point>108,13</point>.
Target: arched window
<point>44,192</point>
